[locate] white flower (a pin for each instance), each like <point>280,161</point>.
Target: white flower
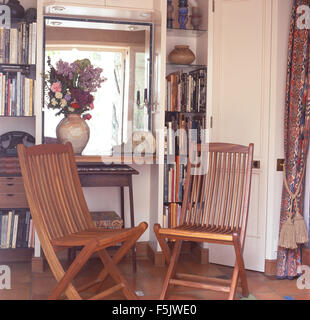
<point>63,103</point>
<point>71,109</point>
<point>54,102</point>
<point>58,95</point>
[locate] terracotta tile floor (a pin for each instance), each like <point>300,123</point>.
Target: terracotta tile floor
<point>148,281</point>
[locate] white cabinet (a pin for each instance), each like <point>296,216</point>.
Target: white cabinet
<point>134,4</point>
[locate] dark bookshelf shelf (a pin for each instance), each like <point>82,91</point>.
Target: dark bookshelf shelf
<point>187,66</point>
<point>16,254</point>
<point>27,69</point>
<point>30,117</point>
<point>189,114</point>
<point>176,202</point>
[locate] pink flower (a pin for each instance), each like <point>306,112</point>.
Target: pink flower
<point>56,87</point>
<point>91,106</point>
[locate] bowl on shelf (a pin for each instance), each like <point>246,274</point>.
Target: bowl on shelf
<point>181,54</point>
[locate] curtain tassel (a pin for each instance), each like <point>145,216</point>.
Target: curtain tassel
<point>301,233</point>
<point>287,238</point>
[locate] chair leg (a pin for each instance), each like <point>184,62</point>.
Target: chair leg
<point>117,276</point>
<point>118,256</point>
<point>163,244</point>
<point>73,270</point>
<point>239,267</point>
<point>171,268</point>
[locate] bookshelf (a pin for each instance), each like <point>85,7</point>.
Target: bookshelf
<point>17,112</point>
<point>185,109</point>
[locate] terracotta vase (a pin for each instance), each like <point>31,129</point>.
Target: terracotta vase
<point>74,129</point>
<point>181,54</point>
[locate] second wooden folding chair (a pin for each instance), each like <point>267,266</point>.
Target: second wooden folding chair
<point>214,209</point>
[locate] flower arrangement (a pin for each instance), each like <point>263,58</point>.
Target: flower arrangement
<point>70,86</point>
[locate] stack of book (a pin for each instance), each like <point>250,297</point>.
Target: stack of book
<point>16,229</point>
<point>18,45</point>
<point>174,175</point>
<point>186,92</point>
<point>182,129</point>
<point>171,217</point>
<point>16,94</point>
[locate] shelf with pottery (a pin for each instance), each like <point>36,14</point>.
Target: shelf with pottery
<point>187,35</point>
<point>177,32</point>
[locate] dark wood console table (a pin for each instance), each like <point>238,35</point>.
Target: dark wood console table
<point>114,175</point>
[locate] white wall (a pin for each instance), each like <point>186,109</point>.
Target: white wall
<point>281,22</point>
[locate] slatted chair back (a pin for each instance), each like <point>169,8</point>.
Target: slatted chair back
<point>53,189</point>
<point>217,188</point>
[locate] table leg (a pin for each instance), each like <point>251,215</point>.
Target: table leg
<point>132,221</point>
<point>122,206</point>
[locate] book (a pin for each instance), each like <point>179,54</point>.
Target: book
<point>11,229</point>
<point>14,234</point>
<point>13,46</point>
<point>30,111</point>
<point>8,230</point>
<point>34,42</point>
<point>2,45</point>
<point>30,235</point>
<point>21,229</point>
<point>26,229</point>
<point>18,94</point>
<point>4,229</point>
<point>7,45</point>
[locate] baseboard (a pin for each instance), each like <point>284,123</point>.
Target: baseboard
<point>201,254</point>
<point>306,256</point>
<point>157,257</point>
<point>38,264</point>
<point>270,267</point>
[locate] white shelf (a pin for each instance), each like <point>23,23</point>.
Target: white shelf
<point>185,32</point>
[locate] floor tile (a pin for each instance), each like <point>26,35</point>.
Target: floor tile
<point>148,281</point>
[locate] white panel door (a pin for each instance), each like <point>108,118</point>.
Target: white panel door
<point>241,72</point>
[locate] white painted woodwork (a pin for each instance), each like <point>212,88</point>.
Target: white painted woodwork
<point>135,4</point>
<point>120,4</point>
<point>241,80</point>
<point>158,118</point>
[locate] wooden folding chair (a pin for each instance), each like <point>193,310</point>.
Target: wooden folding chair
<point>62,220</point>
<point>214,209</point>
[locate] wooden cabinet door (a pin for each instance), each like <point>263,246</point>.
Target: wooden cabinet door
<point>134,4</point>
<point>241,81</point>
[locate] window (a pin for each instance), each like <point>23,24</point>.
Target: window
<point>108,117</point>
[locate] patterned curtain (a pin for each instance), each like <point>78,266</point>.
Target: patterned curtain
<point>296,135</point>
